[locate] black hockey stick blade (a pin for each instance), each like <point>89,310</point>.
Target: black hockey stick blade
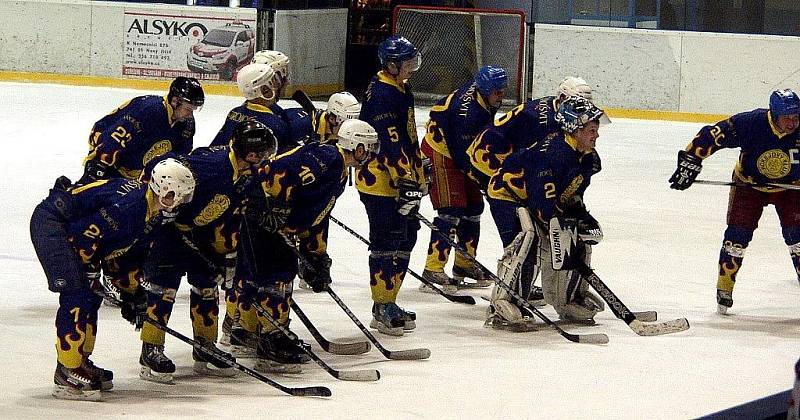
<point>469,300</point>
<point>358,347</point>
<point>412,354</point>
<point>305,102</point>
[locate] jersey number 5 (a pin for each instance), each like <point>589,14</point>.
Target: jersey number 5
<point>394,136</point>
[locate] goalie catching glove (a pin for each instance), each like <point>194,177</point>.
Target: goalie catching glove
<point>316,270</point>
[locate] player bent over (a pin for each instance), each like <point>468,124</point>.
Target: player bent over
<point>768,142</point>
<point>298,191</point>
<point>454,122</point>
<point>203,245</point>
<point>73,230</point>
<point>536,201</point>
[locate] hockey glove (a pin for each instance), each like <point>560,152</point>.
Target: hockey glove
<point>597,165</point>
<point>317,272</point>
<point>243,184</point>
<point>689,167</point>
<point>93,278</point>
<point>589,230</point>
<point>427,169</point>
<point>96,170</point>
<point>275,215</point>
<point>133,306</point>
<point>410,195</point>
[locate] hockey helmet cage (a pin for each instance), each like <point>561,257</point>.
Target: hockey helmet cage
<point>576,112</point>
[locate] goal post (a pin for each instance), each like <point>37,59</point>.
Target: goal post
<point>456,42</point>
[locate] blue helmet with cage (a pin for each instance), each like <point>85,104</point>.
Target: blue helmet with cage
<point>784,102</point>
<point>489,79</point>
<point>575,112</point>
<point>396,49</point>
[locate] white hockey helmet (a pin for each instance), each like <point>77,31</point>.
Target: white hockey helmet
<point>574,86</point>
<point>355,132</point>
<point>278,60</point>
<point>252,77</point>
<point>171,176</point>
<point>344,106</point>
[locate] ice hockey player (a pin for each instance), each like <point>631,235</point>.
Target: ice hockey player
<point>128,141</point>
<point>203,244</point>
<point>768,140</point>
<point>392,185</point>
<point>260,85</point>
<point>73,230</point>
<point>324,125</point>
<point>519,128</point>
<point>536,201</point>
<point>280,63</point>
<point>454,122</point>
<point>298,191</point>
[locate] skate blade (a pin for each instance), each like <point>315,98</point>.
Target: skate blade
<point>106,385</point>
<point>203,368</point>
<point>243,352</point>
<point>162,378</point>
<point>722,309</point>
<point>409,325</point>
<point>271,366</point>
<point>68,393</point>
<point>517,327</point>
<point>473,285</point>
<point>396,331</point>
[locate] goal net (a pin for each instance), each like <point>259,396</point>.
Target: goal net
<point>455,43</point>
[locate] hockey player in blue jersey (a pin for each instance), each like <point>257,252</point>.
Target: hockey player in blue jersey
<point>769,144</point>
<point>322,126</point>
<point>536,200</point>
<point>519,128</point>
<point>203,244</point>
<point>454,122</point>
<point>392,184</point>
<point>298,192</point>
<point>130,139</point>
<point>73,230</point>
<point>260,86</point>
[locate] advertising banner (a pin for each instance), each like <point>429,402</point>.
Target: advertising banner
<point>166,45</point>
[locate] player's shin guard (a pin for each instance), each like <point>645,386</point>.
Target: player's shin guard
<point>383,283</point>
<point>438,249</point>
<point>72,323</point>
<point>730,261</point>
<point>159,308</point>
<point>469,235</point>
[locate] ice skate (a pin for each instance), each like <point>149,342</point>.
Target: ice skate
<point>98,374</point>
<point>504,315</point>
<point>460,275</point>
<point>387,318</point>
<point>409,319</point>
<point>440,278</point>
<point>155,365</point>
<point>75,384</point>
<point>277,354</point>
<point>206,365</point>
<point>228,324</point>
<point>724,301</point>
<point>243,343</point>
<point>581,310</point>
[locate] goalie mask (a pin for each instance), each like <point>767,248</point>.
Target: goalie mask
<point>172,183</point>
<point>576,112</point>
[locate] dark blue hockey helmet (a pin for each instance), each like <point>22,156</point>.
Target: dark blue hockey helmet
<point>253,136</point>
<point>784,102</point>
<point>188,89</point>
<point>575,112</point>
<point>489,79</point>
<point>397,49</point>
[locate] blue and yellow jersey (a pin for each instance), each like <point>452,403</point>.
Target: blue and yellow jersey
<point>546,176</point>
<point>307,127</point>
<point>263,114</point>
<point>309,179</point>
<point>519,128</point>
<point>214,214</point>
<point>766,155</point>
<point>455,121</point>
<point>135,134</point>
<point>389,109</point>
<point>113,216</point>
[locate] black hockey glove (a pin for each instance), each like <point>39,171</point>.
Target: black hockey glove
<point>95,170</point>
<point>317,272</point>
<point>597,165</point>
<point>133,306</point>
<point>93,278</point>
<point>408,200</point>
<point>689,167</point>
<point>589,230</point>
<point>243,184</point>
<point>275,215</point>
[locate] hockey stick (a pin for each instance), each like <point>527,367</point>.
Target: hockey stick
<point>745,184</point>
<point>576,338</point>
<point>413,354</point>
<point>622,312</point>
<point>304,101</point>
<point>452,298</point>
<point>347,375</point>
<point>226,358</point>
<point>359,347</point>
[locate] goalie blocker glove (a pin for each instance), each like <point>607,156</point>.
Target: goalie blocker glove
<point>689,167</point>
<point>409,198</point>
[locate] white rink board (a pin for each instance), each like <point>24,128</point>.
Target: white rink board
<point>693,72</point>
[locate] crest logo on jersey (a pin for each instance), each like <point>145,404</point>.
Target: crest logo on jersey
<point>571,189</point>
<point>774,164</point>
<point>213,210</point>
<point>156,150</point>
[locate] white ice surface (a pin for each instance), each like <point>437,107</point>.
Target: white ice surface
<point>659,253</point>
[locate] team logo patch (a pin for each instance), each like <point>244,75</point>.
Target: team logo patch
<point>156,150</point>
<point>774,164</point>
<point>213,210</point>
